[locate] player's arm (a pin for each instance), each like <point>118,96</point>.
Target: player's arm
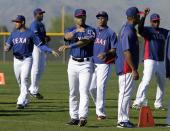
<point>43,46</point>
<point>142,21</point>
<point>112,51</point>
<point>126,40</point>
<point>9,44</point>
<point>87,39</point>
<point>168,57</point>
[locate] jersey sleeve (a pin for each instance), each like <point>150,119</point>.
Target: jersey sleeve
<point>90,34</point>
<point>113,40</point>
<point>125,41</point>
<point>9,41</point>
<point>34,28</point>
<point>145,32</point>
<point>168,57</point>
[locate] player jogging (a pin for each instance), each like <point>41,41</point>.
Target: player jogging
<point>22,41</point>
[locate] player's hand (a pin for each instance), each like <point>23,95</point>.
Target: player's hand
<point>81,29</point>
<point>135,74</point>
<point>146,11</point>
<point>63,48</point>
<point>69,35</point>
<point>55,53</point>
<point>102,56</point>
<point>6,48</point>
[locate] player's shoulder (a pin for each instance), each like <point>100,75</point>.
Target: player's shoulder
<point>111,31</point>
<point>70,29</point>
<point>90,27</point>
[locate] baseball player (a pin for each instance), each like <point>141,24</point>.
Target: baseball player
<point>104,46</point>
<point>155,38</point>
<point>38,56</point>
<point>127,64</point>
<point>22,41</point>
<point>80,38</point>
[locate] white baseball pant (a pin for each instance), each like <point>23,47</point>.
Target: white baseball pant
<point>39,61</point>
<point>22,69</point>
<point>79,77</point>
<point>126,86</point>
<point>98,86</point>
<point>151,68</point>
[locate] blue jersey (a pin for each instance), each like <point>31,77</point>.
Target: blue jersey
<point>155,39</point>
<point>23,43</point>
<point>39,29</point>
<point>168,57</point>
<point>87,50</point>
<point>105,40</point>
<point>127,40</point>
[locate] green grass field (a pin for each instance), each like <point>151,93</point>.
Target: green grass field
<point>51,113</point>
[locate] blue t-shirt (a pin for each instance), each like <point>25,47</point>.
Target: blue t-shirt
<point>39,29</point>
<point>127,40</point>
<point>23,43</point>
<point>105,40</point>
<point>155,39</point>
<point>87,50</point>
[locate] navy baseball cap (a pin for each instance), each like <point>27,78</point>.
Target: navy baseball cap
<point>38,11</point>
<point>102,13</point>
<point>19,18</point>
<point>154,17</point>
<point>133,11</point>
<point>79,12</point>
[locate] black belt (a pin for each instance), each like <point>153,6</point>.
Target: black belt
<point>21,57</point>
<point>80,59</point>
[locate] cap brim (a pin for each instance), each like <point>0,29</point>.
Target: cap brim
<point>100,15</point>
<point>80,15</point>
<point>141,12</point>
<point>155,19</point>
<point>16,21</point>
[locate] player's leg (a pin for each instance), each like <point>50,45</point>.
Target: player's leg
<point>149,70</point>
<point>93,87</point>
<point>17,70</point>
<point>126,86</point>
<point>85,76</point>
<point>160,77</point>
<point>73,90</point>
<point>37,69</point>
<point>25,73</point>
<point>103,73</point>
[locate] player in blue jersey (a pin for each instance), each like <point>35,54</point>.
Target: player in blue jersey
<point>38,56</point>
<point>80,39</point>
<point>104,48</point>
<point>155,39</point>
<point>127,61</point>
<point>22,42</point>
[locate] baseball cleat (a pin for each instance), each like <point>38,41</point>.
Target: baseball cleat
<point>136,106</point>
<point>82,122</point>
<point>101,117</point>
<point>125,125</point>
<point>73,122</point>
<point>38,96</point>
<point>19,106</point>
<point>160,108</point>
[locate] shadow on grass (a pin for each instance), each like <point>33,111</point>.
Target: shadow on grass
<point>15,114</point>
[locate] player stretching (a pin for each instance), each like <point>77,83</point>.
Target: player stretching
<point>155,38</point>
<point>127,65</point>
<point>38,56</point>
<point>80,38</point>
<point>104,46</point>
<point>22,41</point>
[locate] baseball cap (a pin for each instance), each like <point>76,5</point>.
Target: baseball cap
<point>38,10</point>
<point>154,17</point>
<point>102,13</point>
<point>79,12</point>
<point>132,11</point>
<point>19,18</point>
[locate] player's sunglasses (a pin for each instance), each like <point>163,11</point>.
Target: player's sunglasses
<point>155,21</point>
